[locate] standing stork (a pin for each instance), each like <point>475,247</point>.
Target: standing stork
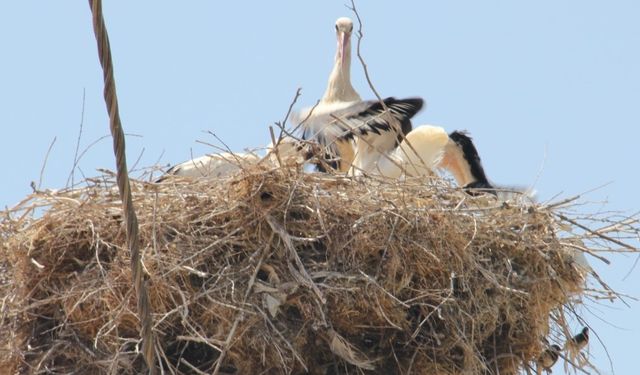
<point>338,95</point>
<point>341,99</point>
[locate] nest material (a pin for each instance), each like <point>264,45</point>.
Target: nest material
<point>287,273</point>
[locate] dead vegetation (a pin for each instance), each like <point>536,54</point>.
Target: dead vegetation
<point>274,271</point>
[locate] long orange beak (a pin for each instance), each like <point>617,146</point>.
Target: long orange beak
<point>344,44</point>
<point>453,161</point>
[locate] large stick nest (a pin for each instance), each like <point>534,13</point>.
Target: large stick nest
<point>285,273</point>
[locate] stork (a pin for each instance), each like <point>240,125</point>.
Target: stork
<point>341,99</point>
<point>339,94</point>
<point>211,165</point>
<point>287,151</point>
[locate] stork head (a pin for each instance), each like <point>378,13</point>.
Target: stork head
<point>462,160</point>
<point>344,28</point>
<point>339,87</point>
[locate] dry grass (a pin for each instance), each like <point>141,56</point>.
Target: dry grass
<point>286,273</point>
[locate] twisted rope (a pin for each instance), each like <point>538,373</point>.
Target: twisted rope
<point>111,100</point>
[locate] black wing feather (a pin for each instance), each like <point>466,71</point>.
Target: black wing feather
<point>363,120</point>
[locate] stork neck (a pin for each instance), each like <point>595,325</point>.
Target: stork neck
<point>453,160</point>
<point>339,88</point>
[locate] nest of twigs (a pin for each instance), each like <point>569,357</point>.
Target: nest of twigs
<point>283,272</point>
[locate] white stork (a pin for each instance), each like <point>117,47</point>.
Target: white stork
<point>211,165</point>
<point>288,151</point>
<point>338,95</point>
<point>341,99</point>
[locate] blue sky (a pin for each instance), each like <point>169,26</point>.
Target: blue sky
<point>549,90</point>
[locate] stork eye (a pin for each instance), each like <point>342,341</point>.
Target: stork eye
<point>336,27</point>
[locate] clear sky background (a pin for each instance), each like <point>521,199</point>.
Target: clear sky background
<point>549,89</point>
